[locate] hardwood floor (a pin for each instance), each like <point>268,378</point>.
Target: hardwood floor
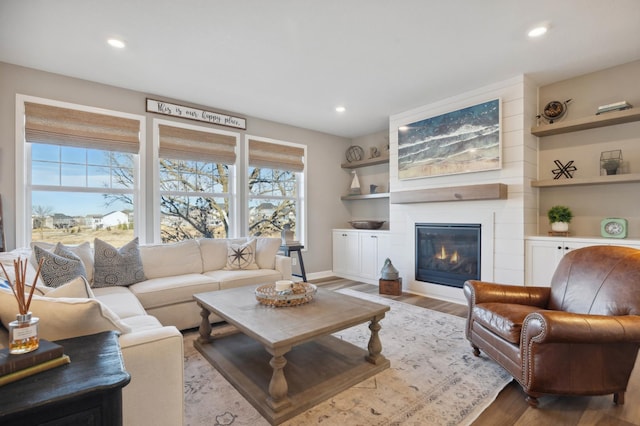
<point>510,407</point>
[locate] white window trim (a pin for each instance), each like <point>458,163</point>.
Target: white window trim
<point>155,159</point>
<point>301,224</point>
<point>23,155</point>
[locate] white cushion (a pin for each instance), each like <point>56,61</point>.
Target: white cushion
<point>62,318</point>
<point>164,291</point>
<point>120,300</point>
<point>77,287</point>
<point>266,250</point>
<point>240,278</point>
<point>166,260</point>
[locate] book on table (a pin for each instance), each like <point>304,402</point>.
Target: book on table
<point>18,366</point>
<point>46,351</point>
<point>34,369</point>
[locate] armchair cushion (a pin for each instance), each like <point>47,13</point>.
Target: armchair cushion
<point>504,319</point>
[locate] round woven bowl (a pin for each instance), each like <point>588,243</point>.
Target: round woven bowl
<point>301,293</point>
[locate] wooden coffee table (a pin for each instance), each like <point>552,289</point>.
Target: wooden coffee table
<point>317,365</point>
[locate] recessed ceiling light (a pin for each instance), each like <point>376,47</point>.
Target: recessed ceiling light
<point>538,31</point>
<point>340,109</point>
<point>114,42</point>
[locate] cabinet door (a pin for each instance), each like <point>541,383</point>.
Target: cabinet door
<point>542,259</point>
<point>373,252</point>
<point>346,253</point>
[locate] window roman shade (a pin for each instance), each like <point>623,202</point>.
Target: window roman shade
<point>276,156</point>
<point>71,127</point>
<point>186,144</point>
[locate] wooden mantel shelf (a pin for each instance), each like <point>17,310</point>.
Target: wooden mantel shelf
<point>590,122</point>
<point>383,159</point>
<point>489,191</point>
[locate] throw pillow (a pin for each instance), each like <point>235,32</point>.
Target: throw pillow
<point>117,267</point>
<point>266,250</point>
<point>59,266</point>
<point>77,287</point>
<point>83,251</point>
<point>241,256</point>
<point>64,317</point>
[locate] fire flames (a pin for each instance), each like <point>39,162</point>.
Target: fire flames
<point>455,258</point>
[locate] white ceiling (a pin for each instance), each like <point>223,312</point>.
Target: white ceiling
<point>294,61</point>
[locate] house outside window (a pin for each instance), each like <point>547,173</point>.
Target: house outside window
<point>81,174</point>
<point>275,181</point>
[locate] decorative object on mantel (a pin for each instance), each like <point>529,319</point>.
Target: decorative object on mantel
<point>559,218</point>
<point>354,189</point>
<point>367,224</point>
<point>563,169</point>
<point>616,106</point>
<point>462,141</point>
<point>373,188</point>
<point>613,227</point>
<point>23,332</point>
<point>166,108</point>
<point>354,153</point>
<point>554,111</point>
<point>610,162</point>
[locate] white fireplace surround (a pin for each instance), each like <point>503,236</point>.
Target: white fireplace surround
<point>419,213</point>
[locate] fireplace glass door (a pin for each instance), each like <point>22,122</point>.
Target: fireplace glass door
<point>447,254</point>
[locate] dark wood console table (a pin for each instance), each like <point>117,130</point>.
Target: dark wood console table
<point>88,391</point>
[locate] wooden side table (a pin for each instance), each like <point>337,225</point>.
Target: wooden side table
<point>88,391</point>
<point>288,249</point>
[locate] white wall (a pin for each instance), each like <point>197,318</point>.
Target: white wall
<point>504,222</point>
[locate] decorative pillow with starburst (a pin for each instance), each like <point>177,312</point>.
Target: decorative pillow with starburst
<point>241,256</point>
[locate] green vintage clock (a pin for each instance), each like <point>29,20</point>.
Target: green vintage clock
<point>613,227</point>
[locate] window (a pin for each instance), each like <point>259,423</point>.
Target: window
<point>275,177</point>
<point>81,174</point>
<point>196,181</point>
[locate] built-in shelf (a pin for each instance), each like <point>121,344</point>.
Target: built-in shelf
<point>383,159</point>
<point>590,122</point>
<point>596,180</point>
<point>365,196</point>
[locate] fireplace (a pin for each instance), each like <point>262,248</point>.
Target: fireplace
<point>447,254</point>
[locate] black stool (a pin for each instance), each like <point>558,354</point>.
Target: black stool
<point>287,249</point>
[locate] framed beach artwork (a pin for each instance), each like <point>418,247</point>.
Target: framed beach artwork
<point>463,141</point>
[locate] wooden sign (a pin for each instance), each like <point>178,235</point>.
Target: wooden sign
<point>182,111</point>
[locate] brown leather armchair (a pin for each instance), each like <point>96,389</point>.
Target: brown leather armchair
<point>578,337</point>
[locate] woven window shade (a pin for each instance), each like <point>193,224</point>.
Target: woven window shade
<point>71,127</point>
<point>177,143</point>
<point>276,156</point>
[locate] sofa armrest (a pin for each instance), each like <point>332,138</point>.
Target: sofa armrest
<point>283,265</point>
<point>568,327</point>
<point>484,292</point>
<point>155,360</point>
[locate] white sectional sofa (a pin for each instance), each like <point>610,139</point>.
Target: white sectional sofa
<point>148,314</point>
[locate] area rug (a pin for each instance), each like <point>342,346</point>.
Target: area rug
<point>434,378</point>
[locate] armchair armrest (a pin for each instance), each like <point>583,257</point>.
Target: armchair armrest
<point>485,292</point>
<point>568,327</point>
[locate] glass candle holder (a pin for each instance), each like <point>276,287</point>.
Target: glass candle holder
<point>23,334</point>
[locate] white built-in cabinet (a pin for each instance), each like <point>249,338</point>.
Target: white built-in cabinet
<point>544,253</point>
<point>359,254</point>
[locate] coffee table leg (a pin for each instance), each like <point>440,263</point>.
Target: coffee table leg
<point>278,387</point>
<point>375,346</point>
<point>205,326</point>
